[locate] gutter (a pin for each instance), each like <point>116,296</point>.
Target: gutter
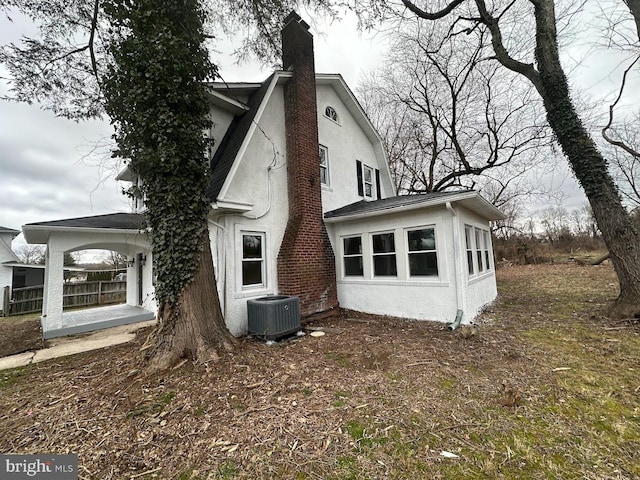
<point>458,268</point>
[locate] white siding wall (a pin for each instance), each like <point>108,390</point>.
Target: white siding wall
<point>346,143</point>
<point>425,298</point>
<point>266,188</point>
<point>481,288</point>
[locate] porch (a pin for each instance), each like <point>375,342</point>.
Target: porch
<point>88,320</point>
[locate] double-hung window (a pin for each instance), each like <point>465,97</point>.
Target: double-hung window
<point>487,243</point>
<point>468,237</point>
<point>367,181</point>
<point>384,255</point>
<point>324,165</point>
<point>479,249</point>
<point>253,260</point>
<point>352,256</point>
<point>423,261</point>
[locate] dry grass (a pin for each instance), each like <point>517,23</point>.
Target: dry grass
<point>546,388</point>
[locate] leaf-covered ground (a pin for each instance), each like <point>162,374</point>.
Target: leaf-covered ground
<point>544,387</point>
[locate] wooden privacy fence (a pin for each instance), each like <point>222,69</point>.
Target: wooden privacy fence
<point>81,294</point>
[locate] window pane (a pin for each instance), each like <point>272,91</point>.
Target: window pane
<point>323,156</point>
<point>470,261</point>
<point>479,254</point>
<point>424,239</point>
<point>353,266</point>
<point>368,175</point>
<point>251,246</point>
<point>352,246</point>
<point>423,264</point>
<point>252,272</point>
<point>467,237</point>
<point>323,176</point>
<point>385,265</point>
<point>486,259</point>
<point>384,243</point>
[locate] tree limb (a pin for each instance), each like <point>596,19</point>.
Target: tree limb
<point>619,143</point>
<point>435,15</point>
<point>502,55</point>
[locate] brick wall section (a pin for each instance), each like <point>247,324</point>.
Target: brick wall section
<point>306,263</point>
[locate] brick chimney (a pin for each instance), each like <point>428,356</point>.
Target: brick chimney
<point>306,263</point>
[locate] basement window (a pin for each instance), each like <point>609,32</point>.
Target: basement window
<point>331,113</point>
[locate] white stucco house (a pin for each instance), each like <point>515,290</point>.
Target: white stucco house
<point>303,203</point>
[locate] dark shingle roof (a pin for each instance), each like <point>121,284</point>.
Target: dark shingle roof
<point>363,206</point>
<point>226,153</point>
<point>8,230</point>
<point>122,221</point>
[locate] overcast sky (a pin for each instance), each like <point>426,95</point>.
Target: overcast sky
<point>45,173</point>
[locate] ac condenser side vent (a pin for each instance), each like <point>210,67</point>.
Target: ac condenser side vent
<point>274,316</point>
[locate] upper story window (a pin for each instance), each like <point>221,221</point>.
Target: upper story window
<point>368,181</point>
<point>324,165</point>
<point>423,261</point>
<point>352,256</point>
<point>331,113</point>
<point>384,255</point>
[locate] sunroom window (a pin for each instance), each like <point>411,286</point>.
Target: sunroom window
<point>423,261</point>
<point>384,255</point>
<point>352,256</point>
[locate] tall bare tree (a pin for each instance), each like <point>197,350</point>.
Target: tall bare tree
<point>524,38</point>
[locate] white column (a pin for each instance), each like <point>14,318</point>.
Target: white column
<point>53,288</point>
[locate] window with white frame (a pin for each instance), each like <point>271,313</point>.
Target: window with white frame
<point>479,249</point>
<point>478,245</point>
<point>253,260</point>
<point>423,260</point>
<point>487,243</point>
<point>352,256</point>
<point>324,165</point>
<point>367,181</point>
<point>384,255</point>
<point>331,113</point>
<point>468,237</point>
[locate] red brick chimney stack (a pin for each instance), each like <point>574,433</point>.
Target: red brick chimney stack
<point>306,263</point>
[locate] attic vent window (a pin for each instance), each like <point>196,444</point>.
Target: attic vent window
<point>331,113</point>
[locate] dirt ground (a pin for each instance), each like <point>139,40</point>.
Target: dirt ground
<point>19,334</point>
<point>372,398</point>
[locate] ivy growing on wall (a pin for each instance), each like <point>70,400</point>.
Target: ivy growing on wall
<point>156,98</point>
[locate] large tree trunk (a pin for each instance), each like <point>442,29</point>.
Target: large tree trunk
<point>194,327</point>
<point>618,231</point>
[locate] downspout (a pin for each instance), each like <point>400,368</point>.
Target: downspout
<point>458,268</point>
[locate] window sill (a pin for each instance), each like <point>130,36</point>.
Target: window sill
<point>481,277</point>
<point>257,292</point>
<point>395,282</point>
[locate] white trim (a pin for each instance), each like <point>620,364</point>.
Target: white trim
<point>240,290</point>
<point>247,138</point>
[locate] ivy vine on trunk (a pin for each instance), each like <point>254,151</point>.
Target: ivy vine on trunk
<point>156,98</point>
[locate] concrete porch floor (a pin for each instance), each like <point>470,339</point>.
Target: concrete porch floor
<point>90,319</point>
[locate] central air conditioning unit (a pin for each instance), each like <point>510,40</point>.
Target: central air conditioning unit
<point>273,317</point>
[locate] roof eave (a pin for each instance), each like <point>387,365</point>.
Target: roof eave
<point>39,234</point>
<point>466,199</point>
